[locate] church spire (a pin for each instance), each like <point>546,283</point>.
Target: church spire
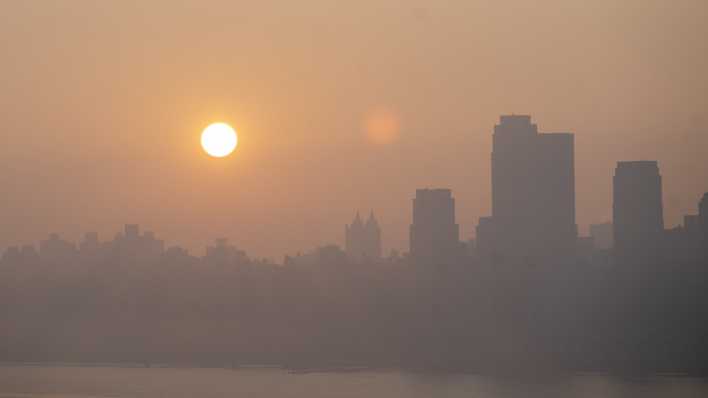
<point>357,219</point>
<point>372,219</point>
<point>363,240</point>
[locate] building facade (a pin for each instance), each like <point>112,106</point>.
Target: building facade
<point>637,210</point>
<point>434,233</point>
<point>533,192</point>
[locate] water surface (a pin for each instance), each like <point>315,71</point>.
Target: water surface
<point>119,382</point>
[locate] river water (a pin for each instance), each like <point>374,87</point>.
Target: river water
<point>117,382</point>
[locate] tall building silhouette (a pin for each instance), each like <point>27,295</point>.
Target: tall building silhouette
<point>533,192</point>
<point>637,210</point>
<point>434,233</point>
<point>363,240</point>
<point>703,215</point>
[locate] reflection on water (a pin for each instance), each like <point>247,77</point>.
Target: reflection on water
<point>100,382</point>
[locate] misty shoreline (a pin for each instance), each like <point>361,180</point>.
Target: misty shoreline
<point>521,374</point>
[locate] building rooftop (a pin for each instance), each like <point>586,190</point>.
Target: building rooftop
<point>637,163</point>
<point>436,192</point>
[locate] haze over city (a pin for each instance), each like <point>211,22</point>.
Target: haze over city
<point>103,104</point>
<point>400,199</point>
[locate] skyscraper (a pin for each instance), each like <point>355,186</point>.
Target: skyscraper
<point>703,216</point>
<point>637,211</point>
<point>363,240</point>
<point>434,233</point>
<point>533,191</point>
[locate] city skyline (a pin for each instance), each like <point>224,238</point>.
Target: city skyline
<point>531,297</point>
<point>375,198</point>
<point>402,246</point>
<point>103,106</point>
<point>538,167</point>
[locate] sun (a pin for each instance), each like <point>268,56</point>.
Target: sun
<point>219,140</point>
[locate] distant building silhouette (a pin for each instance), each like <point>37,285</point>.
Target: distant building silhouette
<point>176,252</point>
<point>329,255</point>
<point>486,237</point>
<point>56,250</point>
<point>223,253</point>
<point>132,246</point>
<point>363,240</point>
<point>11,255</point>
<point>132,231</point>
<point>703,215</point>
<point>90,242</point>
<point>434,233</point>
<point>688,243</point>
<point>637,210</point>
<point>602,235</point>
<point>90,249</point>
<point>533,192</point>
<point>28,254</point>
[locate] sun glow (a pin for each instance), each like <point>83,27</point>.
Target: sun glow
<point>382,126</point>
<point>219,140</point>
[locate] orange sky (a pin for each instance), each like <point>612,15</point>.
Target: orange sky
<point>102,104</point>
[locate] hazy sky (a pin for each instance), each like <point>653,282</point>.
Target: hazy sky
<point>102,105</point>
